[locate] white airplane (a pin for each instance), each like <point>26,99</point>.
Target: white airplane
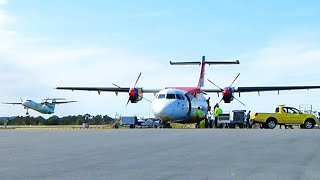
<point>179,104</point>
<point>44,107</point>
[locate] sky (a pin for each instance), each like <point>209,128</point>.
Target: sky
<point>45,44</point>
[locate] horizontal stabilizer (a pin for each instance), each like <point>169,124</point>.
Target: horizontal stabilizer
<point>51,99</point>
<point>206,62</point>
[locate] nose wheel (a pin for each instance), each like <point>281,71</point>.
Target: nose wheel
<point>27,113</point>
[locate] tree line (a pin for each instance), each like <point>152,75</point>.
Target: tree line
<point>55,120</point>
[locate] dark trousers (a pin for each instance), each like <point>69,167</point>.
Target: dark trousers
<point>198,123</point>
<point>210,123</point>
<point>216,121</point>
<point>206,123</point>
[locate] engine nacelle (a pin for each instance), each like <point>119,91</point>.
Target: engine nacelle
<point>227,99</point>
<point>135,95</point>
<point>227,94</point>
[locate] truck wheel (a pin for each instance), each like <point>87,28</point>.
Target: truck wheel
<point>271,123</point>
<point>232,126</point>
<point>308,124</point>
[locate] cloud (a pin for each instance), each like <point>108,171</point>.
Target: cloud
<point>5,19</point>
<point>3,2</point>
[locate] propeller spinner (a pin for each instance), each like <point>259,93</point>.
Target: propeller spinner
<point>135,94</point>
<point>227,92</point>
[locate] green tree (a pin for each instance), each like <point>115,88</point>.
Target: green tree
<point>79,121</point>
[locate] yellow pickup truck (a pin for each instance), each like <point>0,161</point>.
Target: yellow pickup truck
<point>285,115</point>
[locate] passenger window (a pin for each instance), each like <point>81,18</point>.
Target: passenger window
<point>171,96</point>
<point>161,96</point>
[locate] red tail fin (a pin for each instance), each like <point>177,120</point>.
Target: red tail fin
<point>202,71</point>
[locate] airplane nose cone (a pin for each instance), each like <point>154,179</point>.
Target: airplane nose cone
<point>25,103</point>
<point>162,109</point>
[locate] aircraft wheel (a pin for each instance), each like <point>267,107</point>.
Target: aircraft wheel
<point>116,126</point>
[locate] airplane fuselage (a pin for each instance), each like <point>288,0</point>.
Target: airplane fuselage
<point>40,107</point>
<point>178,105</point>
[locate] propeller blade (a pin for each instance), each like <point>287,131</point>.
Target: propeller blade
<point>116,85</point>
<point>234,80</point>
<point>239,101</point>
<point>145,99</point>
<point>137,80</point>
<point>127,102</point>
<point>215,84</point>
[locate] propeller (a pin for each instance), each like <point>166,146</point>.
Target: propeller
<point>132,91</point>
<point>227,92</point>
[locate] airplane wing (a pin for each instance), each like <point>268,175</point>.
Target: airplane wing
<point>273,88</point>
<point>12,103</point>
<point>106,89</point>
<point>262,88</point>
<point>63,102</point>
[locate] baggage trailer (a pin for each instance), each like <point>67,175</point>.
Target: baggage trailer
<point>130,121</point>
<point>230,120</point>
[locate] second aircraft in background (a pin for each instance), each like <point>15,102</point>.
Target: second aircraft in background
<point>46,106</point>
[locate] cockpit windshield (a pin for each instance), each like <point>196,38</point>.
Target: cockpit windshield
<point>170,96</point>
<point>161,96</point>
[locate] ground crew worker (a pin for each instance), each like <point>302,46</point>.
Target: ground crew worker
<point>210,121</point>
<point>217,111</point>
<point>199,117</point>
<point>248,119</point>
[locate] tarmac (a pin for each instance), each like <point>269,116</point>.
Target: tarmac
<point>160,154</point>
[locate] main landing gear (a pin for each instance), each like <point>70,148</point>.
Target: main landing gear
<point>165,124</point>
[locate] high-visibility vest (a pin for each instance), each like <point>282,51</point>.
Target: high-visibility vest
<point>217,111</point>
